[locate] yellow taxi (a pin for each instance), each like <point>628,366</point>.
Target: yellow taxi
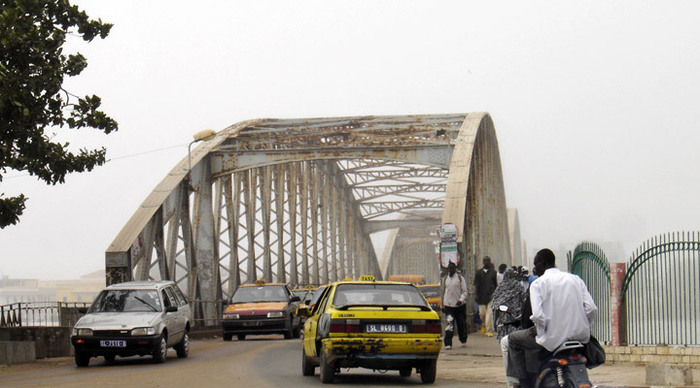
<point>305,293</point>
<point>371,324</point>
<point>431,292</point>
<point>261,308</point>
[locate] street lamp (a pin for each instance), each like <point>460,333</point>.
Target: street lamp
<point>203,135</point>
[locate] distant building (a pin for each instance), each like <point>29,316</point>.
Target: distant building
<point>24,290</point>
<point>84,289</point>
<point>34,290</point>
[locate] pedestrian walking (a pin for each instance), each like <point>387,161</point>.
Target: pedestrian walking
<point>501,270</point>
<point>484,285</point>
<point>454,297</point>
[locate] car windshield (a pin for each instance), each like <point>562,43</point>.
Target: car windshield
<point>259,294</point>
<point>430,291</point>
<point>126,301</point>
<point>377,295</point>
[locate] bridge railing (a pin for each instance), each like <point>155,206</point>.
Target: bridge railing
<point>23,314</point>
<point>198,318</point>
<point>48,314</point>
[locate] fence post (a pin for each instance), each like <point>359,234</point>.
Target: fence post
<point>617,277</point>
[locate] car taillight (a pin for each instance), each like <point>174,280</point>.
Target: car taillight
<point>418,326</point>
<point>345,326</point>
<point>433,327</point>
<point>423,326</point>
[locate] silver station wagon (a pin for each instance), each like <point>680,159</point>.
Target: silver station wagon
<point>133,318</point>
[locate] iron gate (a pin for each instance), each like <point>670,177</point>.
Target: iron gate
<point>590,263</point>
<point>660,292</point>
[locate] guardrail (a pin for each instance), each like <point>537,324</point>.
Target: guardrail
<point>22,314</point>
<point>49,314</point>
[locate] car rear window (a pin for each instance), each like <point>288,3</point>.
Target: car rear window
<point>377,295</point>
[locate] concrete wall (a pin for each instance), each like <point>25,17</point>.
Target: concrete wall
<point>17,352</point>
<point>661,362</point>
<point>49,341</point>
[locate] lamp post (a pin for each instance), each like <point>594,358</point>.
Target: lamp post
<point>204,135</point>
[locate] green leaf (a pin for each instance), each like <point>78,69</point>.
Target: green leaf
<point>32,99</point>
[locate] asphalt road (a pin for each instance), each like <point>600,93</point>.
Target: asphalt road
<point>259,361</point>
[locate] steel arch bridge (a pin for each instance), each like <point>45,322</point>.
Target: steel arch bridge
<point>296,201</point>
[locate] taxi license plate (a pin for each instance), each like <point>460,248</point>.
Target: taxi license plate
<point>385,328</point>
<point>113,344</point>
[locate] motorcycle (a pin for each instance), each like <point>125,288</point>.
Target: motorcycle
<point>563,368</point>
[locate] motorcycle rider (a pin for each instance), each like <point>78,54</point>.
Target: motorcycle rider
<point>562,310</point>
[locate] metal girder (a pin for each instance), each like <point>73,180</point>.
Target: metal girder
<point>373,210</point>
<point>295,201</point>
<point>378,226</point>
<point>224,162</point>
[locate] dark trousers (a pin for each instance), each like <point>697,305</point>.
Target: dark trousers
<point>523,355</point>
<point>459,316</point>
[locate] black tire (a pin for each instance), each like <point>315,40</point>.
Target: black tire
<point>405,372</point>
<point>548,379</point>
<point>81,359</point>
<point>227,336</point>
<point>428,372</point>
<point>160,351</point>
<point>183,348</point>
<point>289,333</point>
<point>241,337</point>
<point>327,369</point>
<point>296,333</point>
<point>307,368</point>
<point>109,358</point>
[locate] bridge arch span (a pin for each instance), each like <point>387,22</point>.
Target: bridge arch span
<point>296,200</point>
<point>475,199</point>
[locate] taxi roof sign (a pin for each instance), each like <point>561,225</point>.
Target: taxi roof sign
<point>260,282</point>
<point>367,278</point>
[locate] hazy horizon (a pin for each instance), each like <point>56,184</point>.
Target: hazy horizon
<point>593,105</point>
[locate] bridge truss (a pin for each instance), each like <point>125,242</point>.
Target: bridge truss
<point>296,200</point>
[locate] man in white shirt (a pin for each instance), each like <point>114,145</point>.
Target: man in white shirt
<point>562,310</point>
<point>454,297</point>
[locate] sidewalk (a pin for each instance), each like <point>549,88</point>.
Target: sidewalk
<point>480,361</point>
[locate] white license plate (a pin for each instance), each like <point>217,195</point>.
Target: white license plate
<point>113,344</point>
<point>385,328</point>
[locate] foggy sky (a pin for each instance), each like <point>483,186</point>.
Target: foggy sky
<point>594,104</point>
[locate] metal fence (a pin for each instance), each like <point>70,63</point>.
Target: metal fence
<point>590,263</point>
<point>24,314</point>
<point>661,291</point>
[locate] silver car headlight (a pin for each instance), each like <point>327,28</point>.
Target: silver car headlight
<point>143,331</point>
<point>82,332</point>
<point>275,314</point>
<point>231,316</point>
